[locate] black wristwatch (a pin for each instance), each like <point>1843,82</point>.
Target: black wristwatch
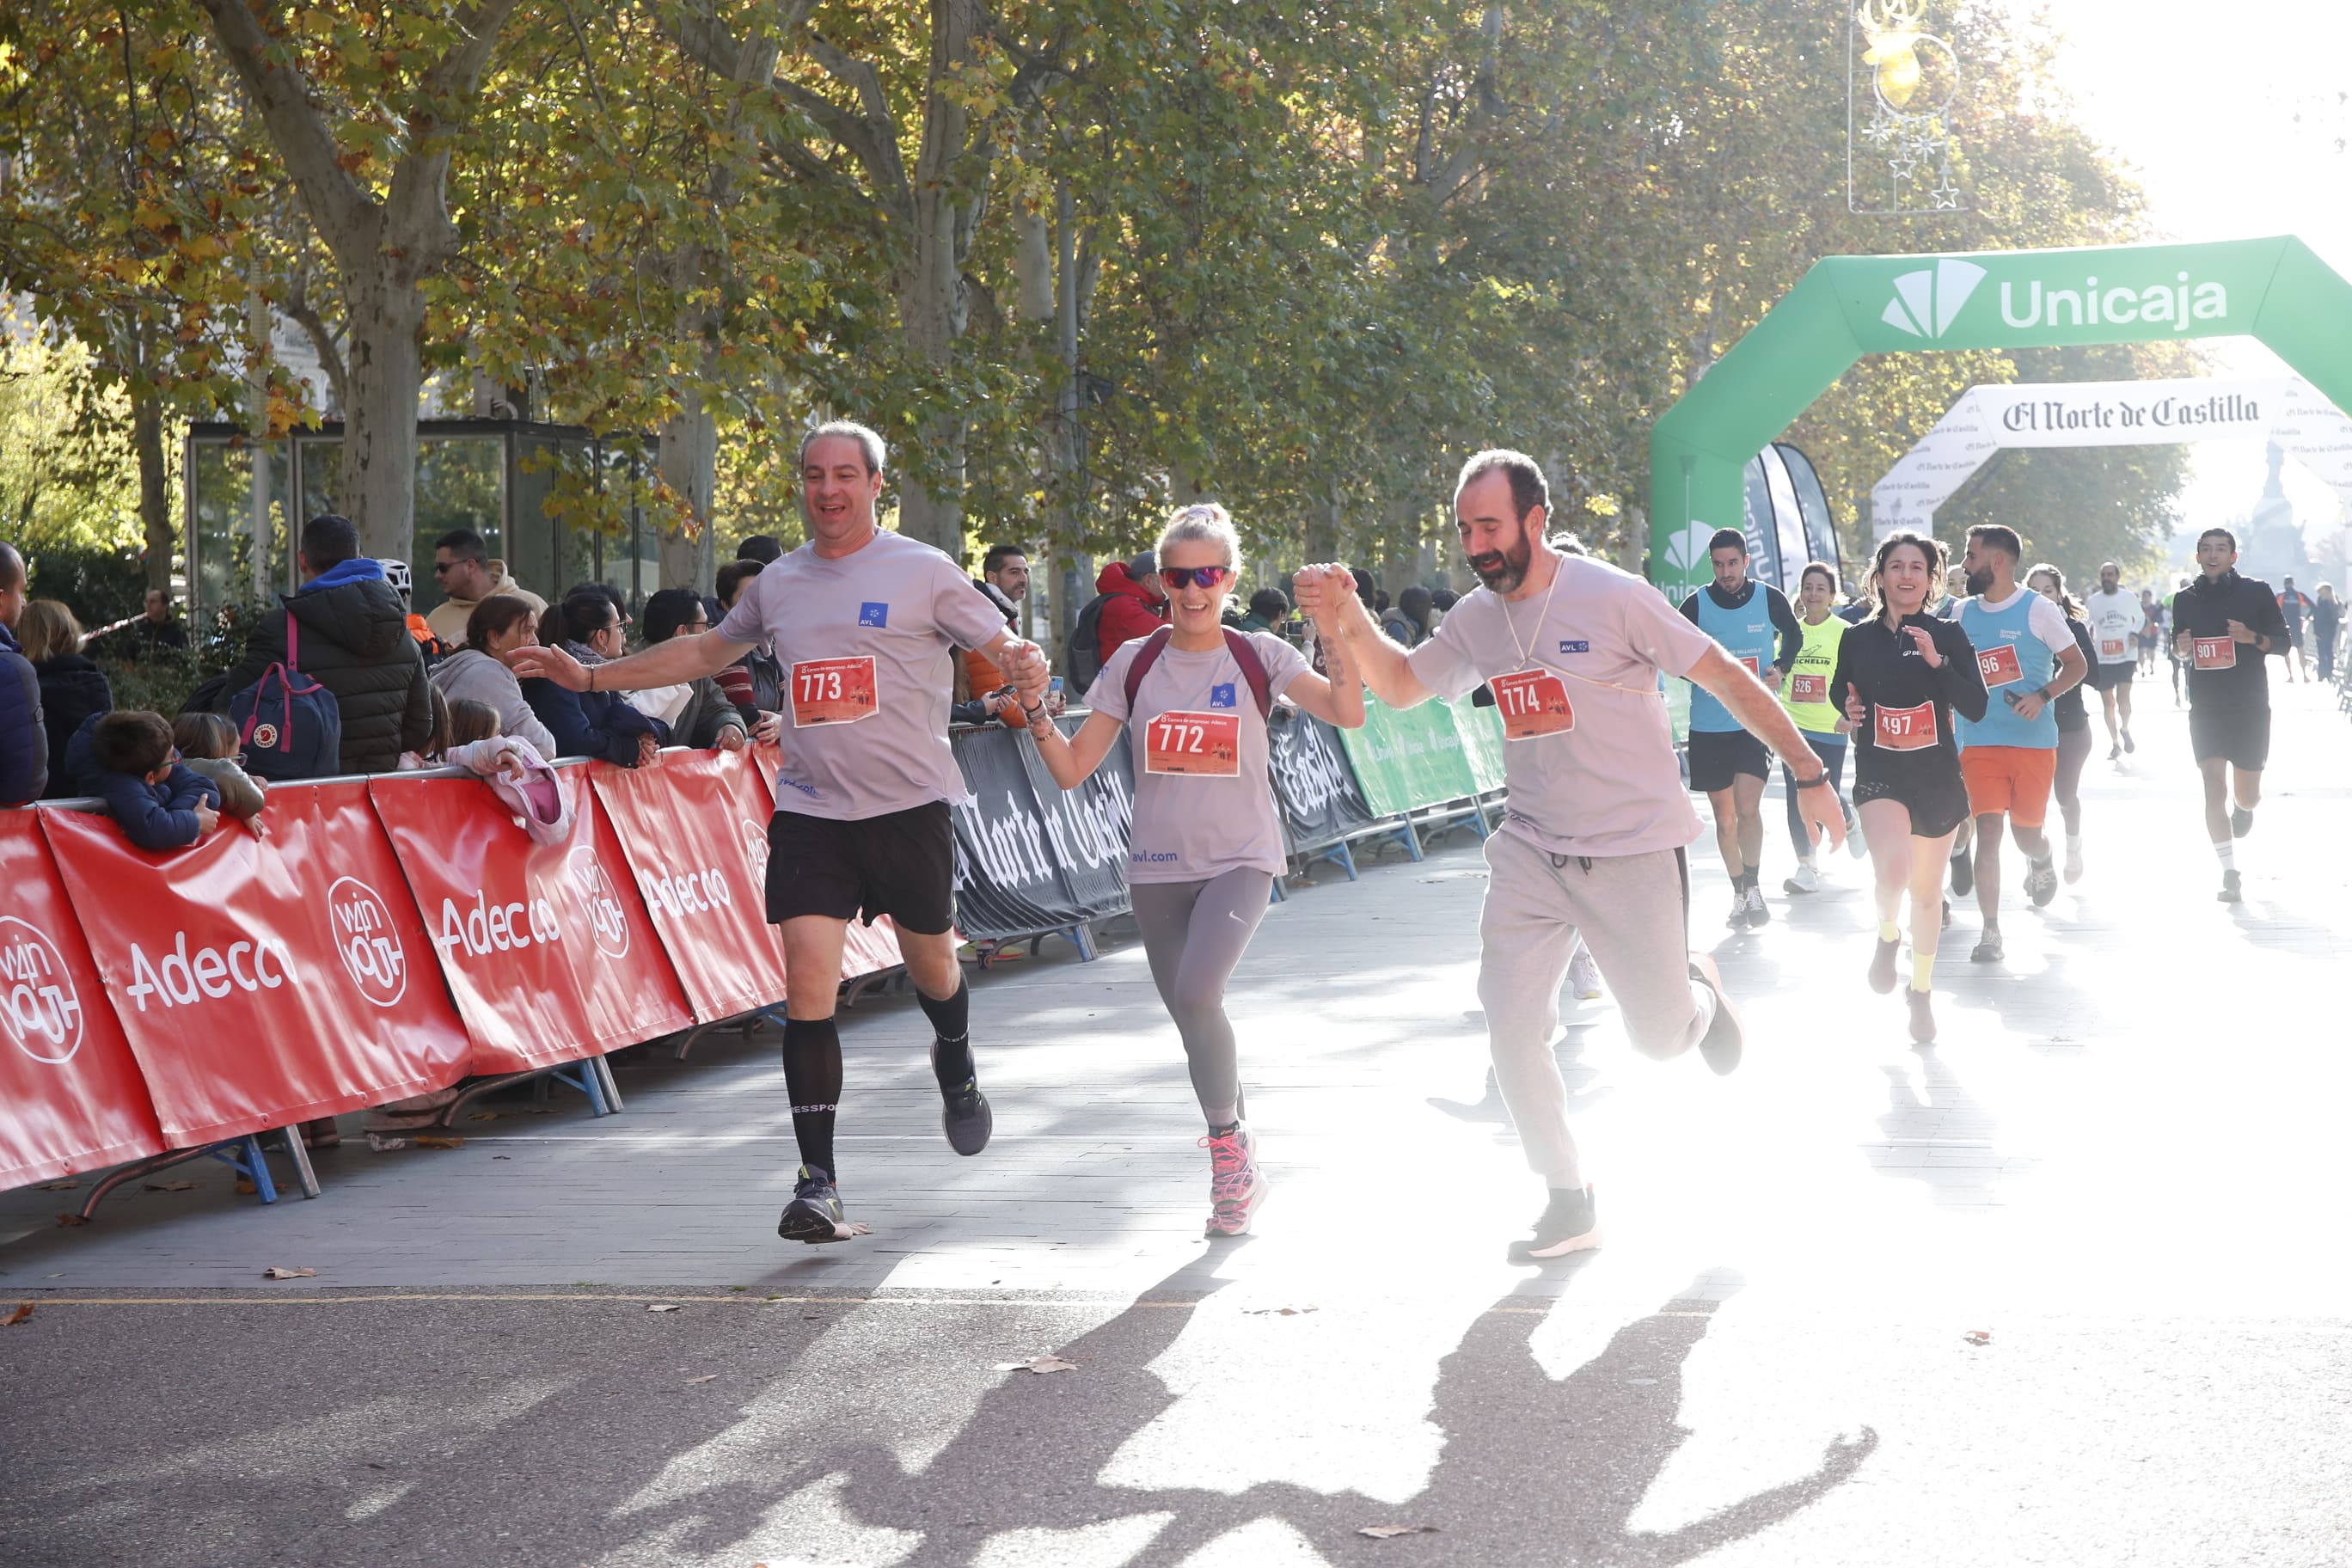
<point>1818,780</point>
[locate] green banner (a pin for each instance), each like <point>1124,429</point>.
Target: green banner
<point>1410,760</point>
<point>1482,744</point>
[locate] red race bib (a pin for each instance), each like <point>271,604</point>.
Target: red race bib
<point>2110,647</point>
<point>1905,729</point>
<point>1751,664</point>
<point>2000,665</point>
<point>1201,744</point>
<point>2213,653</point>
<point>1805,687</point>
<point>833,691</point>
<point>1533,702</point>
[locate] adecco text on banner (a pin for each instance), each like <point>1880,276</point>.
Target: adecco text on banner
<point>688,893</point>
<point>496,927</point>
<point>182,979</point>
<point>38,1005</point>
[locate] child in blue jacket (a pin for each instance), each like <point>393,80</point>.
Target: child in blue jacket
<point>161,803</point>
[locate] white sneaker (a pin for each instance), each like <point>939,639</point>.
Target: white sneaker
<point>1584,976</point>
<point>1803,879</point>
<point>1855,843</point>
<point>2073,863</point>
<point>1756,913</point>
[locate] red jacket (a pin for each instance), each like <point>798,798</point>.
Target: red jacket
<point>1132,613</point>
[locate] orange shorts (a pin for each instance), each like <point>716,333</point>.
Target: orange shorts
<point>2011,779</point>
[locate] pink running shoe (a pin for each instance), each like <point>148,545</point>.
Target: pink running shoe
<point>1236,1186</point>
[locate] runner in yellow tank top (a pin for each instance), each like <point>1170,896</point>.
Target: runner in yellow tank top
<point>1806,696</point>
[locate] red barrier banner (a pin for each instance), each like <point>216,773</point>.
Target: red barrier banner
<point>71,1095</point>
<point>694,826</point>
<point>263,981</point>
<point>547,947</point>
<point>866,950</point>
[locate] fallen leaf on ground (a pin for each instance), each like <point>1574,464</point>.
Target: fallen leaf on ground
<point>1041,1365</point>
<point>244,1186</point>
<point>431,1141</point>
<point>174,1187</point>
<point>1279,1311</point>
<point>274,1272</point>
<point>709,1377</point>
<point>58,1186</point>
<point>23,1310</point>
<point>1978,1336</point>
<point>1390,1531</point>
<point>665,1307</point>
<point>73,1219</point>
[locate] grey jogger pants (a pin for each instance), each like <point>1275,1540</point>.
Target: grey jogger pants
<point>1631,911</point>
<point>1194,934</point>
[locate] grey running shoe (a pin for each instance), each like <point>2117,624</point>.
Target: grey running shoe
<point>965,1118</point>
<point>1964,875</point>
<point>1738,918</point>
<point>1881,966</point>
<point>1987,950</point>
<point>1568,1224</point>
<point>1757,915</point>
<point>1856,845</point>
<point>814,1214</point>
<point>2230,893</point>
<point>2241,822</point>
<point>2041,883</point>
<point>1923,1019</point>
<point>2127,741</point>
<point>1803,879</point>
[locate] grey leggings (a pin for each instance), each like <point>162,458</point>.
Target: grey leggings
<point>1194,934</point>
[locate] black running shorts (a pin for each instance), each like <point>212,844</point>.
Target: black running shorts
<point>901,864</point>
<point>1716,756</point>
<point>1928,785</point>
<point>2107,677</point>
<point>2240,734</point>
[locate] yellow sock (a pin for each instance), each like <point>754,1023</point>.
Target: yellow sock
<point>1923,968</point>
<point>1889,931</point>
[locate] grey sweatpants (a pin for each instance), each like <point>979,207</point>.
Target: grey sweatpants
<point>1631,912</point>
<point>1194,934</point>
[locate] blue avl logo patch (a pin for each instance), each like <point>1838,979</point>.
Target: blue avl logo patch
<point>1577,646</point>
<point>1221,696</point>
<point>872,615</point>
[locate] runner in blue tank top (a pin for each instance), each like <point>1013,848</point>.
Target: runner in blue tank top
<point>1754,623</point>
<point>2010,757</point>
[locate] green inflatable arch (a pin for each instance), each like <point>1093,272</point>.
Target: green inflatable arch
<point>1848,306</point>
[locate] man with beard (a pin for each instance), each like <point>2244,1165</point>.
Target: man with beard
<point>2116,617</point>
<point>2223,627</point>
<point>1755,625</point>
<point>2010,757</point>
<point>1592,843</point>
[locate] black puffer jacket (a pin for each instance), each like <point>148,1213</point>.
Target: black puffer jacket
<point>72,689</point>
<point>353,638</point>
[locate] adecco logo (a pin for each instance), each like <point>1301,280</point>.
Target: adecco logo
<point>491,928</point>
<point>1925,302</point>
<point>183,979</point>
<point>689,892</point>
<point>608,920</point>
<point>367,941</point>
<point>39,1006</point>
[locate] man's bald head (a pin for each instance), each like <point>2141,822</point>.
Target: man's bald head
<point>12,587</point>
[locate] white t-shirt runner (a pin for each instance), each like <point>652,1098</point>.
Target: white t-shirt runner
<point>1203,805</point>
<point>1595,772</point>
<point>2115,619</point>
<point>867,644</point>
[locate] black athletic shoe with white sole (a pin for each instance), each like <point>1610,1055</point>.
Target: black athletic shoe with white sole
<point>2241,822</point>
<point>2230,893</point>
<point>965,1118</point>
<point>815,1216</point>
<point>1568,1224</point>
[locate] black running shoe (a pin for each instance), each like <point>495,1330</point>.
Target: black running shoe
<point>1964,875</point>
<point>2230,893</point>
<point>2041,883</point>
<point>1720,1045</point>
<point>1923,1019</point>
<point>814,1214</point>
<point>1987,949</point>
<point>965,1118</point>
<point>2127,741</point>
<point>1758,916</point>
<point>2241,822</point>
<point>1881,966</point>
<point>1568,1224</point>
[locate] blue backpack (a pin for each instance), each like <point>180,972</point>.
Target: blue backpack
<point>288,725</point>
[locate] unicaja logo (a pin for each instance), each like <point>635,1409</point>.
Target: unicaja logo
<point>1686,551</point>
<point>1926,301</point>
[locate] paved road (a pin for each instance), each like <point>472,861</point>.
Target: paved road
<point>2120,1165</point>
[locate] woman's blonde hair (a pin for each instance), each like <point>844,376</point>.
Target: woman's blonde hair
<point>1203,521</point>
<point>48,630</point>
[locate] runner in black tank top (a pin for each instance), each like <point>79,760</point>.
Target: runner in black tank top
<point>2073,719</point>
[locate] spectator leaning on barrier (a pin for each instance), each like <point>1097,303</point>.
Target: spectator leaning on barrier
<point>1003,580</point>
<point>463,565</point>
<point>207,745</point>
<point>160,804</point>
<point>478,673</point>
<point>755,682</point>
<point>23,741</point>
<point>704,718</point>
<point>73,689</point>
<point>588,625</point>
<point>354,640</point>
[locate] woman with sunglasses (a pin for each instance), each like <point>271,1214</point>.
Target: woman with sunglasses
<point>1205,844</point>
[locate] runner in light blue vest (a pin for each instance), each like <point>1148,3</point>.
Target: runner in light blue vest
<point>2009,757</point>
<point>1755,625</point>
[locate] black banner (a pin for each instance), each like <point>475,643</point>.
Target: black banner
<point>1321,801</point>
<point>1031,856</point>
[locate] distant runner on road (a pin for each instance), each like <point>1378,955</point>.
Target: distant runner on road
<point>1808,697</point>
<point>2074,720</point>
<point>1902,677</point>
<point>1753,623</point>
<point>1598,821</point>
<point>2224,627</point>
<point>2116,618</point>
<point>865,625</point>
<point>1206,843</point>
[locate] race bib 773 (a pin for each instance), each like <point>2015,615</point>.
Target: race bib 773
<point>832,690</point>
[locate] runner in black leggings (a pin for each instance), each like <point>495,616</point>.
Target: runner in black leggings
<point>1205,844</point>
<point>2074,720</point>
<point>1902,674</point>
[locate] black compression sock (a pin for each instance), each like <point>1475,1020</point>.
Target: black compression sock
<point>951,1022</point>
<point>813,1077</point>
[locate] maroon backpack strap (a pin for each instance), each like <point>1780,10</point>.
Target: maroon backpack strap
<point>1243,648</point>
<point>1146,657</point>
<point>291,662</point>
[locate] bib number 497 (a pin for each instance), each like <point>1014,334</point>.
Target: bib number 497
<point>1905,729</point>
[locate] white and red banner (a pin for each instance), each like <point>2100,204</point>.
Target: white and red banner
<point>261,981</point>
